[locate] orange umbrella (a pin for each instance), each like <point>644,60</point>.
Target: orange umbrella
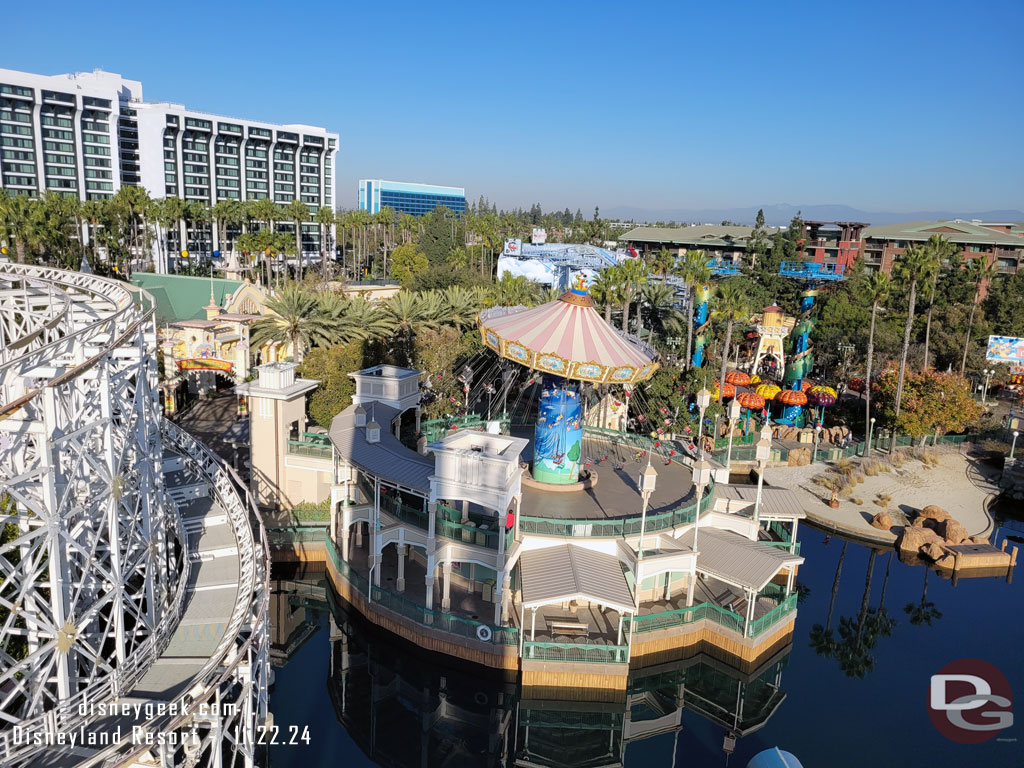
<point>739,378</point>
<point>792,397</point>
<point>750,400</point>
<point>728,391</point>
<point>805,385</point>
<point>768,391</point>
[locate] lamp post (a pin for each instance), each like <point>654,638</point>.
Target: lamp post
<point>703,401</point>
<point>871,426</point>
<point>648,479</point>
<point>817,439</point>
<point>734,415</point>
<point>1014,443</point>
<point>764,453</point>
<point>701,476</point>
<point>988,373</point>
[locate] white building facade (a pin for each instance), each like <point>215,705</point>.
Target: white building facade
<point>87,134</point>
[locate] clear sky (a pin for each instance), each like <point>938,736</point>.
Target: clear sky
<point>893,106</point>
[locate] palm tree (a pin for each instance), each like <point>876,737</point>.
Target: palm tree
<point>913,267</point>
<point>605,290</point>
<point>297,212</point>
<point>21,224</point>
<point>325,218</point>
<point>876,292</point>
<point>373,318</point>
<point>659,298</point>
<point>411,313</point>
<point>222,213</point>
<point>924,611</point>
<point>633,274</point>
<point>661,262</point>
<point>513,290</point>
<point>943,251</point>
<point>822,639</point>
<point>295,315</point>
<point>979,272</point>
<point>731,306</point>
<point>695,271</point>
<point>461,305</point>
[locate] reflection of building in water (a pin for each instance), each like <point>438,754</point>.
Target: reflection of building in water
<point>404,709</point>
<point>297,594</point>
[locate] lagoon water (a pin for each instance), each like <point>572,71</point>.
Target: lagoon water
<point>853,694</point>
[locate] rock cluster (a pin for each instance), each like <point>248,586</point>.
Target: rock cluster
<point>1012,481</point>
<point>882,521</point>
<point>799,457</point>
<point>829,435</point>
<point>931,534</point>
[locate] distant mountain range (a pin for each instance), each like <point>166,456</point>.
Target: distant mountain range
<point>783,213</point>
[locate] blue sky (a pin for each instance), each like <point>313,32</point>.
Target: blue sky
<point>893,106</point>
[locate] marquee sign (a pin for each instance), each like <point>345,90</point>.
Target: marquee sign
<point>1005,349</point>
<point>204,364</point>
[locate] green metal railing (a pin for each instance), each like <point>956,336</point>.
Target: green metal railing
<point>426,617</point>
<point>776,614</point>
<point>314,450</point>
<point>726,618</point>
<point>308,535</point>
<point>626,526</point>
<point>435,429</point>
<point>722,443</point>
<point>590,653</point>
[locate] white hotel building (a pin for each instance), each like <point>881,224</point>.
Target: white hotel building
<point>90,133</point>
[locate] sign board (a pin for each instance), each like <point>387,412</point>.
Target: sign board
<point>513,247</point>
<point>1005,349</point>
<point>539,236</point>
<point>204,364</point>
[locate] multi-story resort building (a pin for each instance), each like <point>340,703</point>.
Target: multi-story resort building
<point>840,243</point>
<point>562,550</point>
<point>406,197</point>
<point>90,133</point>
<point>1001,244</point>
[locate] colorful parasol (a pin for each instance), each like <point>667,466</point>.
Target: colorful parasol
<point>806,385</point>
<point>750,400</point>
<point>728,391</point>
<point>755,379</point>
<point>791,397</point>
<point>568,338</point>
<point>856,384</point>
<point>737,378</point>
<point>768,390</point>
<point>822,396</point>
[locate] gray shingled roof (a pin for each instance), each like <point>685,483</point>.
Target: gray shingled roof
<point>775,502</point>
<point>388,459</point>
<point>568,572</point>
<point>954,231</point>
<point>736,559</point>
<point>700,235</point>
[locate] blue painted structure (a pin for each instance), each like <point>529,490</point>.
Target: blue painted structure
<point>559,433</point>
<point>812,270</point>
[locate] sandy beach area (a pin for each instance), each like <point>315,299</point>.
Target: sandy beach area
<point>959,484</point>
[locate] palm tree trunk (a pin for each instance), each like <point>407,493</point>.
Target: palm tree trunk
<point>862,615</point>
<point>835,586</point>
<point>725,360</point>
<point>625,316</point>
<point>867,379</point>
<point>903,356</point>
<point>608,312</point>
<point>967,341</point>
<point>928,327</point>
<point>689,333</point>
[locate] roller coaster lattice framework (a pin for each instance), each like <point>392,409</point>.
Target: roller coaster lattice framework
<point>94,560</point>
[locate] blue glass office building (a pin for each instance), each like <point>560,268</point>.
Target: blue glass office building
<point>404,197</point>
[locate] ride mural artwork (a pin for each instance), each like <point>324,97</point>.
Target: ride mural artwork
<point>558,434</point>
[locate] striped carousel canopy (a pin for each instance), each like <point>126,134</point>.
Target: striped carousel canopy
<point>567,338</point>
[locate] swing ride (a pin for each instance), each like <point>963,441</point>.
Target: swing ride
<point>568,342</point>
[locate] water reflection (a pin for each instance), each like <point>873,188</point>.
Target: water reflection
<point>405,708</point>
